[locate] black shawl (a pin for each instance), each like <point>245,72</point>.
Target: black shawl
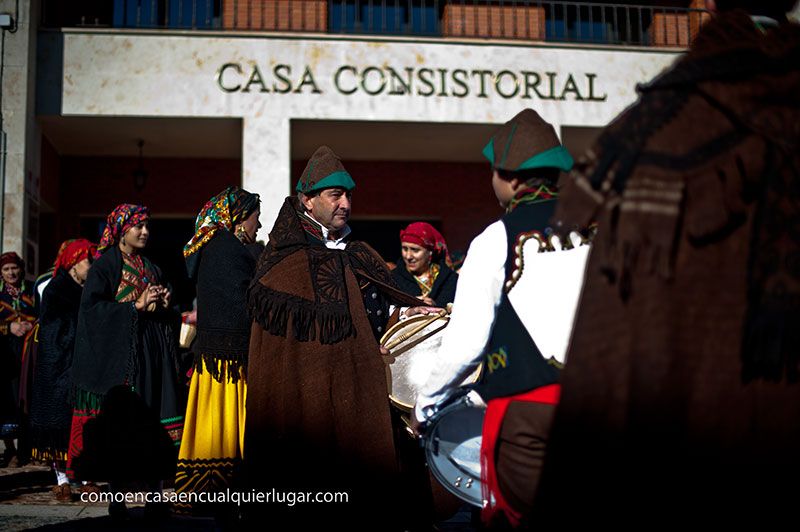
<point>51,414</point>
<point>105,349</point>
<point>225,268</point>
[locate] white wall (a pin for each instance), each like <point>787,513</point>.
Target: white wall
<point>135,74</point>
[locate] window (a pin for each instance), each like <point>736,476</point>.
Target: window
<point>385,17</point>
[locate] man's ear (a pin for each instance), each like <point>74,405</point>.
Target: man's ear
<point>306,201</point>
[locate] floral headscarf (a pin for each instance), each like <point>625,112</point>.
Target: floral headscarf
<point>425,235</point>
<point>122,218</point>
<point>72,252</point>
<point>223,211</point>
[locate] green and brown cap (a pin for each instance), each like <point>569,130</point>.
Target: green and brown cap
<point>324,170</point>
<point>526,142</point>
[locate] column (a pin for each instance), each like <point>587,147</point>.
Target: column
<point>266,164</point>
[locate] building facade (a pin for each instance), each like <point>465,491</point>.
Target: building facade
<point>165,102</point>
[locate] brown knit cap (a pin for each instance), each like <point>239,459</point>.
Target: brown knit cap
<point>524,142</point>
<point>324,170</point>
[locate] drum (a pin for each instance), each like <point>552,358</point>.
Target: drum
<point>453,449</point>
<point>412,344</point>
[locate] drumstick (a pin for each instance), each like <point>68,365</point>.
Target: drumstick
<point>422,324</point>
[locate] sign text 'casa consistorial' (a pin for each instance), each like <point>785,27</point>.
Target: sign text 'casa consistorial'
<point>411,81</point>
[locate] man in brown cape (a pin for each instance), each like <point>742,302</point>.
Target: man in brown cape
<point>318,416</point>
<point>681,399</point>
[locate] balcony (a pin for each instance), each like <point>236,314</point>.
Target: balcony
<point>519,20</point>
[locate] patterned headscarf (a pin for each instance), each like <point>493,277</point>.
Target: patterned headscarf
<point>122,218</point>
<point>224,211</point>
<point>11,258</point>
<point>72,252</point>
<point>425,235</point>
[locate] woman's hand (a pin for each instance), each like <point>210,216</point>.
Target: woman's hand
<point>20,328</point>
<point>190,317</point>
<point>427,300</point>
<point>415,311</point>
<point>165,297</point>
<point>148,297</point>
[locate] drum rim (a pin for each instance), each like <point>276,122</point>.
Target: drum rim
<point>386,336</point>
<point>459,404</point>
<point>397,402</point>
<point>404,323</point>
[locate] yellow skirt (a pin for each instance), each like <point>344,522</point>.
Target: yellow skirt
<point>213,434</point>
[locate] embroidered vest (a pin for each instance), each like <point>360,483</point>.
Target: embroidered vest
<point>522,353</point>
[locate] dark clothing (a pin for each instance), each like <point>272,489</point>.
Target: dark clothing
<point>211,451</point>
<point>443,290</point>
<point>121,348</point>
<point>317,393</point>
<point>520,452</point>
<point>50,409</point>
<point>106,346</point>
<point>225,269</point>
<point>680,397</point>
<point>20,308</point>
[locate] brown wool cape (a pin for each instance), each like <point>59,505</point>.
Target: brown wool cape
<point>318,415</point>
<point>680,395</point>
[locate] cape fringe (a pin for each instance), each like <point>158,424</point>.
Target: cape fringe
<point>273,310</point>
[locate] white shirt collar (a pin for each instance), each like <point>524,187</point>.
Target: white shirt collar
<point>337,243</point>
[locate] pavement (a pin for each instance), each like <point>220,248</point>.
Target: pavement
<point>27,503</point>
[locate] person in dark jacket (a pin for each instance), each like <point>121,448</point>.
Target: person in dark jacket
<point>128,408</point>
<point>50,409</point>
<point>513,312</point>
<point>220,258</point>
<point>17,317</point>
<point>681,398</point>
<point>425,270</point>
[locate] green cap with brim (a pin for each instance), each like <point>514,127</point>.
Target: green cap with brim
<point>526,142</point>
<point>324,170</point>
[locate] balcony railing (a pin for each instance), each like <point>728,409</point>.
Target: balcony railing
<point>527,20</point>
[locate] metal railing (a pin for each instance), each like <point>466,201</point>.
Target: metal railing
<point>575,22</point>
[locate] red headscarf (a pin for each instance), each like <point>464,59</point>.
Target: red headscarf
<point>72,252</point>
<point>11,258</point>
<point>425,235</point>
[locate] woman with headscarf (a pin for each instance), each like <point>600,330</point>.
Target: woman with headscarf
<point>50,409</point>
<point>127,419</point>
<point>16,320</point>
<point>219,262</point>
<point>425,270</point>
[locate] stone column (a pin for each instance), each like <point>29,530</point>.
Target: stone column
<point>266,165</point>
<point>19,168</point>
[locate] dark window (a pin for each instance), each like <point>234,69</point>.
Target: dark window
<point>385,17</point>
<point>177,14</point>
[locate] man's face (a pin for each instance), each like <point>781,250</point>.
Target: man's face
<point>331,207</point>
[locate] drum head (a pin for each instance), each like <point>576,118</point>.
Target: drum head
<point>413,357</point>
<point>453,450</point>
